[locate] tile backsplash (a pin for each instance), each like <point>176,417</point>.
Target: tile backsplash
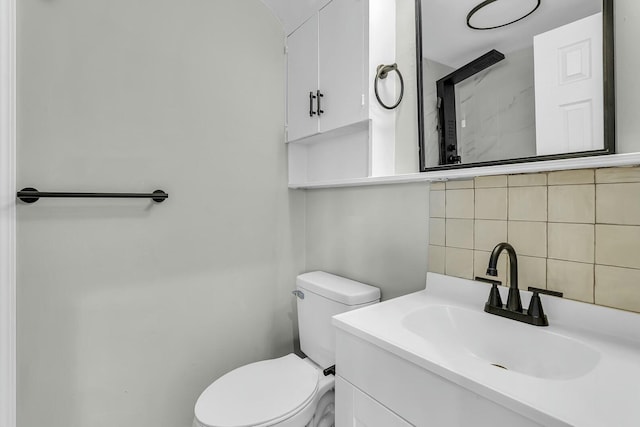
<point>576,231</point>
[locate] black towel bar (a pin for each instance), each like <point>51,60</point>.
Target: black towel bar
<point>31,195</point>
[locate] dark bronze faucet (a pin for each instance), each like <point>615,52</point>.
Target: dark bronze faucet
<point>513,309</point>
<point>513,300</point>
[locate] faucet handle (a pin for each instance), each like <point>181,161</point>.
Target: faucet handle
<point>546,292</point>
<point>490,281</point>
<point>494,295</point>
<point>535,309</point>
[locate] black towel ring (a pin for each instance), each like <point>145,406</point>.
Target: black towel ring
<point>381,73</point>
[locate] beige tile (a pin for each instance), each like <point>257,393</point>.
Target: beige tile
<point>460,184</point>
<point>437,186</point>
<point>487,234</point>
<point>436,262</point>
<point>528,180</point>
<point>491,203</point>
<point>528,238</point>
<point>459,263</point>
<point>481,262</point>
<point>579,176</point>
<point>437,231</point>
<point>437,204</point>
<point>528,203</point>
<point>491,181</point>
<point>618,287</point>
<point>615,175</point>
<point>618,204</point>
<point>532,272</point>
<point>571,242</point>
<point>460,204</point>
<point>572,203</point>
<point>618,245</point>
<point>459,233</point>
<point>574,279</point>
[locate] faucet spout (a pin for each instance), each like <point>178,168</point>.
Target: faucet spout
<point>513,301</point>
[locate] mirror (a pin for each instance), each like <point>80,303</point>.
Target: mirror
<point>508,81</point>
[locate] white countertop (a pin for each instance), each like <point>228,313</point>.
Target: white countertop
<point>607,395</point>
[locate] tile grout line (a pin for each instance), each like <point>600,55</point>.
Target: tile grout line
<point>595,240</point>
<point>473,233</point>
<point>444,267</point>
<point>508,219</point>
<point>546,263</point>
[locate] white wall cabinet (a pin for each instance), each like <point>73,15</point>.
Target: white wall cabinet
<point>302,80</point>
<point>342,63</point>
<point>326,70</point>
<point>334,130</point>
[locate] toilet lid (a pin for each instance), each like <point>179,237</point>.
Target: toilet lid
<point>258,393</point>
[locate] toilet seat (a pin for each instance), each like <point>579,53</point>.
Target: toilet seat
<point>259,394</point>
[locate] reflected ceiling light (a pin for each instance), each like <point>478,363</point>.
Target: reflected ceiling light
<point>492,14</point>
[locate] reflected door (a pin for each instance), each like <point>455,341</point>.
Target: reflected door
<point>568,88</point>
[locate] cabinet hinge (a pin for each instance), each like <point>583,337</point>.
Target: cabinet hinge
<point>286,49</point>
<point>362,101</point>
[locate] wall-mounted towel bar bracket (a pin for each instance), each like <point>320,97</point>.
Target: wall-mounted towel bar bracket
<point>31,195</point>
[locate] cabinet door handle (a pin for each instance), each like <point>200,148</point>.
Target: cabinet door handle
<point>320,110</point>
<point>311,98</point>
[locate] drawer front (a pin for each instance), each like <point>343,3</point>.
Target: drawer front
<point>419,396</point>
<point>355,409</point>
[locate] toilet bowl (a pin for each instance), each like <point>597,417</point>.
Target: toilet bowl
<point>283,392</point>
<point>289,391</point>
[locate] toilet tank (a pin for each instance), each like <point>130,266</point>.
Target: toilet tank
<point>321,296</point>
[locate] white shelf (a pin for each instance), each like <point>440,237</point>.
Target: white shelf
<point>630,159</point>
<point>356,182</point>
<point>320,137</point>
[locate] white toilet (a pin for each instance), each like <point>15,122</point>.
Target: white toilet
<point>289,391</point>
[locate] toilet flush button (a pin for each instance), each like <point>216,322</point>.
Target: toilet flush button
<point>299,294</point>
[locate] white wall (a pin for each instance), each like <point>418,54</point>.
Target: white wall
<point>127,309</point>
<point>377,235</point>
<point>406,155</point>
<point>627,34</point>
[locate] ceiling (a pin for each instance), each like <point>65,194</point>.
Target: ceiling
<point>448,40</point>
<point>292,13</point>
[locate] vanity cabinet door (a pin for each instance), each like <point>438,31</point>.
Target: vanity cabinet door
<point>342,63</point>
<point>356,409</point>
<point>302,80</point>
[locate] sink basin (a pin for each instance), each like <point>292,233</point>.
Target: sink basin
<point>502,343</point>
<point>446,353</point>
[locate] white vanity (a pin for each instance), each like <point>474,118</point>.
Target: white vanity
<point>435,358</point>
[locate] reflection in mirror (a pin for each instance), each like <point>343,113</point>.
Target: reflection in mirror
<point>507,81</point>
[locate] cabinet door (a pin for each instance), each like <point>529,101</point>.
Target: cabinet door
<point>356,409</point>
<point>302,79</point>
<point>342,63</point>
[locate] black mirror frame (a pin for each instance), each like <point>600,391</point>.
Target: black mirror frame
<point>609,100</point>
